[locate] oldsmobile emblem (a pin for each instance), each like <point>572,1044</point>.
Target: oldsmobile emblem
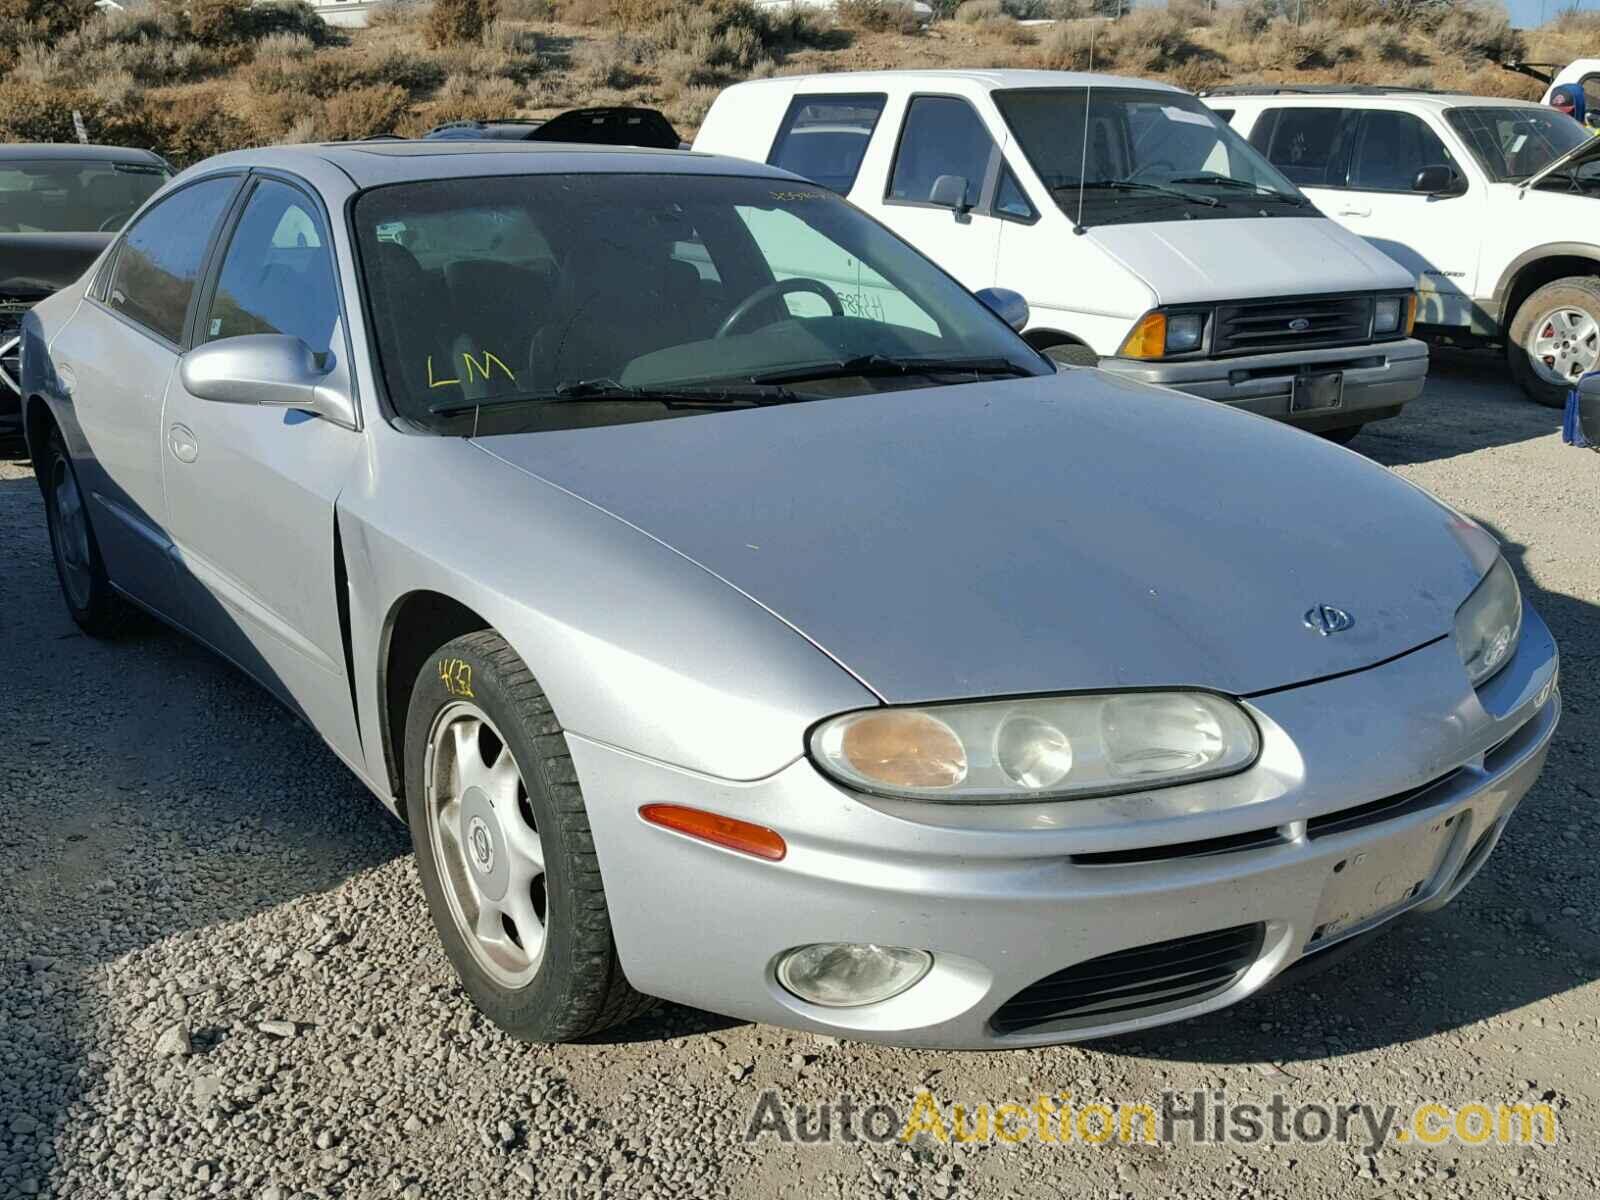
<point>1326,619</point>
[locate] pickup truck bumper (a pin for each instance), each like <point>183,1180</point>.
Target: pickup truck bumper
<point>1378,380</point>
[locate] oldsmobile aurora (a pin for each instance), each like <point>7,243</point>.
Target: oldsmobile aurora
<point>727,640</point>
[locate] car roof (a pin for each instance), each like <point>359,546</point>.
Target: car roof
<point>1395,97</point>
<point>375,163</point>
<point>970,80</point>
<point>77,152</point>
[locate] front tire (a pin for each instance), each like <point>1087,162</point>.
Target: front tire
<point>94,604</point>
<point>504,850</point>
<point>1343,436</point>
<point>1554,339</point>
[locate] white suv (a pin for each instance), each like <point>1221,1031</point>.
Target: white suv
<point>1486,200</point>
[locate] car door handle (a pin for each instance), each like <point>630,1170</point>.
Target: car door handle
<point>1355,212</point>
<point>180,440</point>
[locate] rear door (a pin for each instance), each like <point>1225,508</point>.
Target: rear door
<point>117,356</point>
<point>252,489</point>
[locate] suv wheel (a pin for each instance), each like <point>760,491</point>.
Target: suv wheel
<point>1554,339</point>
<point>85,586</point>
<point>503,847</point>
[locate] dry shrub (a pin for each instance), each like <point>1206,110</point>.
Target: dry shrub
<point>1149,39</point>
<point>1239,23</point>
<point>363,112</point>
<point>1074,47</point>
<point>1197,75</point>
<point>975,12</point>
<point>327,74</point>
<point>1476,33</point>
<point>1300,47</point>
<point>1194,14</point>
<point>615,63</point>
<point>1379,44</point>
<point>877,16</point>
<point>189,124</point>
<point>398,14</point>
<point>459,22</point>
<point>22,20</point>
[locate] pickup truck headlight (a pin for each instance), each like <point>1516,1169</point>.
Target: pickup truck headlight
<point>1159,334</point>
<point>1489,623</point>
<point>1063,747</point>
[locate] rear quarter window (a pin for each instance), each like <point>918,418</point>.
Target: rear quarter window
<point>824,138</point>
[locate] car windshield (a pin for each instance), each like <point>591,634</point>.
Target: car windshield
<point>1512,142</point>
<point>74,195</point>
<point>1118,155</point>
<point>528,302</point>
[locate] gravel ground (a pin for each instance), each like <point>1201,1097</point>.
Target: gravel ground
<point>217,976</point>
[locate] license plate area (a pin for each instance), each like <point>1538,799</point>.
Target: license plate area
<point>1378,881</point>
<point>1317,393</point>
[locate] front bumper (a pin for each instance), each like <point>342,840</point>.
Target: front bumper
<point>1005,896</point>
<point>1379,379</point>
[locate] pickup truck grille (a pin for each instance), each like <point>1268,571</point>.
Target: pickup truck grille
<point>10,347</point>
<point>1296,323</point>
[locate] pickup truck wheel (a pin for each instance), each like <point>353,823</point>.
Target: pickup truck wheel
<point>1071,354</point>
<point>503,848</point>
<point>1554,339</point>
<point>94,604</point>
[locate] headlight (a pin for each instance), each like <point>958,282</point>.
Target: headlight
<point>1059,748</point>
<point>1386,316</point>
<point>1158,334</point>
<point>1489,623</point>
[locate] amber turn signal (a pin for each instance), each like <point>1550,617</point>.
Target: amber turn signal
<point>1148,339</point>
<point>718,830</point>
<point>1410,322</point>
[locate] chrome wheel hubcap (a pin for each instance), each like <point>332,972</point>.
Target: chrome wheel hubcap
<point>487,845</point>
<point>70,532</point>
<point>1564,346</point>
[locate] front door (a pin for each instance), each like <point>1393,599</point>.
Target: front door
<point>116,358</point>
<point>251,489</point>
<point>943,137</point>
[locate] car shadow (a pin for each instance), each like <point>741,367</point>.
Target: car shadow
<point>1470,403</point>
<point>1509,940</point>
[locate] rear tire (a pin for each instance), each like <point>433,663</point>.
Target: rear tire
<point>1554,339</point>
<point>94,604</point>
<point>1343,436</point>
<point>504,850</point>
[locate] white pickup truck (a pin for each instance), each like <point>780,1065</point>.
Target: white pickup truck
<point>1146,237</point>
<point>1486,200</point>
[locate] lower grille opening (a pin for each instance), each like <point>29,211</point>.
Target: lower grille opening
<point>1255,839</point>
<point>1378,810</point>
<point>1160,975</point>
<point>1479,852</point>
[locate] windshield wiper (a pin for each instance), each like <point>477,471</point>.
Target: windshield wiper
<point>868,365</point>
<point>575,391</point>
<point>1139,185</point>
<point>1256,189</point>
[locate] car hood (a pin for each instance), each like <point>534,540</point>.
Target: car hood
<point>1187,262</point>
<point>33,265</point>
<point>1077,531</point>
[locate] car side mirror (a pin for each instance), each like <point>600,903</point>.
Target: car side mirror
<point>950,191</point>
<point>1438,180</point>
<point>270,369</point>
<point>1009,306</point>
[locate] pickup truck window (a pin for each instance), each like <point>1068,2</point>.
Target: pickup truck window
<point>824,138</point>
<point>942,135</point>
<point>1391,149</point>
<point>1119,155</point>
<point>1512,143</point>
<point>1311,146</point>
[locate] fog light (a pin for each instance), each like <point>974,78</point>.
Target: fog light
<point>846,975</point>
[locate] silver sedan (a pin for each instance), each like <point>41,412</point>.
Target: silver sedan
<point>739,612</point>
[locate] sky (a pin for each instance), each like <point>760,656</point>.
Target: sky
<point>1527,13</point>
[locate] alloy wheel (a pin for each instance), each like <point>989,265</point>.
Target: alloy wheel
<point>1564,345</point>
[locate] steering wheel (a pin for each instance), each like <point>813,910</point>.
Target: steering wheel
<point>772,291</point>
<point>113,223</point>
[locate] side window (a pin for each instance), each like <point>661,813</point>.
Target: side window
<point>1010,200</point>
<point>941,136</point>
<point>1393,147</point>
<point>159,263</point>
<point>277,275</point>
<point>1225,115</point>
<point>795,250</point>
<point>1309,145</point>
<point>824,138</point>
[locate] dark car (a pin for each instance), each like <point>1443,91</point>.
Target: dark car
<point>60,206</point>
<point>613,126</point>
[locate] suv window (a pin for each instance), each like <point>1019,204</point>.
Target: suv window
<point>1392,148</point>
<point>1309,145</point>
<point>159,263</point>
<point>824,138</point>
<point>942,135</point>
<point>277,275</point>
